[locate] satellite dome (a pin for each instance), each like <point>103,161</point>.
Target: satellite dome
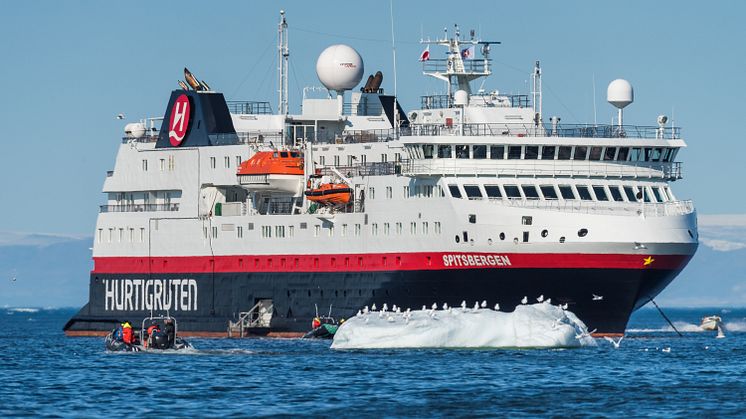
<point>340,67</point>
<point>620,93</point>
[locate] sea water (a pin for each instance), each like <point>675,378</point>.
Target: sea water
<point>654,372</point>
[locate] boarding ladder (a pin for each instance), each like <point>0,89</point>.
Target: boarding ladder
<point>259,317</point>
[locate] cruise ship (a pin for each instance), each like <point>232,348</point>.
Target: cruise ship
<point>239,220</point>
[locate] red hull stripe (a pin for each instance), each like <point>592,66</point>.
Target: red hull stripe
<point>383,262</point>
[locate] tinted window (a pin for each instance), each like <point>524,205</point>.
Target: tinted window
<point>514,152</point>
<point>645,194</point>
<point>584,193</point>
<point>595,153</point>
<point>532,152</point>
<point>455,192</point>
<point>630,194</point>
<point>530,191</point>
<point>548,191</point>
<point>666,154</point>
<point>511,191</point>
<point>615,193</point>
<point>472,191</point>
<point>610,152</point>
<point>623,154</point>
<point>427,151</point>
<point>462,151</point>
<point>479,151</point>
<point>444,151</point>
<point>600,193</point>
<point>636,155</point>
<point>497,152</point>
<point>566,192</point>
<point>648,154</point>
<point>580,152</point>
<point>658,196</point>
<point>564,153</point>
<point>493,191</point>
<point>657,152</point>
<point>547,152</point>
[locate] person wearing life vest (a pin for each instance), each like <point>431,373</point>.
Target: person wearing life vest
<point>151,331</point>
<point>315,323</point>
<point>119,333</point>
<point>170,330</point>
<point>127,335</point>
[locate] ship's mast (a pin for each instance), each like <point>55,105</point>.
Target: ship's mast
<point>460,66</point>
<point>282,64</point>
<point>537,99</point>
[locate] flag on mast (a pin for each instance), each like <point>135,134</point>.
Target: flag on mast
<point>425,56</point>
<point>468,53</point>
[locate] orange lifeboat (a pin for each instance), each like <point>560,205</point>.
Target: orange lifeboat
<point>334,194</point>
<point>273,170</point>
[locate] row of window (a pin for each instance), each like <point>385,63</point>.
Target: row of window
<point>355,160</point>
<point>281,231</point>
<point>618,193</point>
<point>163,164</point>
<point>120,235</point>
<point>548,152</point>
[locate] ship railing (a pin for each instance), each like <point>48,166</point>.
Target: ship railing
<point>364,169</point>
<point>260,137</point>
<point>453,128</point>
<point>237,107</point>
<point>446,101</point>
<point>139,207</point>
<point>259,316</point>
<point>555,168</point>
<point>442,65</point>
<point>357,136</point>
<point>648,209</point>
<point>150,138</point>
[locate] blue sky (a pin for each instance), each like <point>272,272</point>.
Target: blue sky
<point>70,67</point>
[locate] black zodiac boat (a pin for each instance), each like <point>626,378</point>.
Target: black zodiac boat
<point>156,334</point>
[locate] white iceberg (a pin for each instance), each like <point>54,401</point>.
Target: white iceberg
<point>530,326</point>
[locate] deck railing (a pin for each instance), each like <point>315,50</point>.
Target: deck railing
<point>139,207</point>
<point>660,209</point>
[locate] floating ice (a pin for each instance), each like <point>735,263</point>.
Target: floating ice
<point>529,326</point>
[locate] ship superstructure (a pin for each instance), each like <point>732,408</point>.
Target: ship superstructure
<point>232,217</point>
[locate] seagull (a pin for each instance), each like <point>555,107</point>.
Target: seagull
<point>484,303</point>
<point>497,307</point>
<point>463,304</point>
<point>374,307</point>
<point>597,297</point>
<point>365,310</point>
<point>476,305</point>
<point>398,310</point>
<point>549,301</point>
<point>666,349</point>
<point>359,313</point>
<point>445,306</point>
<point>615,342</point>
<point>394,308</point>
<point>435,306</point>
<point>524,300</point>
<point>541,298</point>
<point>563,306</point>
<point>424,308</point>
<point>385,307</point>
<point>120,116</point>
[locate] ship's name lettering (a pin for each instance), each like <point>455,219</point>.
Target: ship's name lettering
<point>475,260</point>
<point>150,294</point>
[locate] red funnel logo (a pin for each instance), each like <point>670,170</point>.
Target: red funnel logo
<point>177,126</point>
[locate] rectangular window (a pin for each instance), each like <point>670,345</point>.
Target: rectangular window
<point>479,151</point>
<point>213,162</point>
<point>646,196</point>
<point>636,154</point>
<point>425,228</point>
<point>162,165</point>
<point>316,230</point>
<point>462,151</point>
<point>623,154</point>
<point>600,193</point>
<point>386,228</point>
<point>100,237</point>
<point>171,163</point>
<point>363,158</point>
<point>399,229</point>
<point>616,195</point>
<point>581,152</point>
<point>658,195</point>
<point>437,227</point>
<point>239,232</point>
<point>406,192</point>
<point>610,153</point>
<point>384,158</point>
<point>121,235</point>
<point>142,234</point>
<point>389,192</point>
<point>336,160</point>
<point>374,229</point>
<point>455,192</point>
<point>596,153</point>
<point>648,154</point>
<point>371,193</point>
<point>331,230</point>
<point>566,192</point>
<point>547,152</point>
<point>548,191</point>
<point>584,193</point>
<point>131,235</point>
<point>512,191</point>
<point>214,232</point>
<point>564,153</point>
<point>493,191</point>
<point>344,230</point>
<point>413,228</point>
<point>238,161</point>
<point>514,152</point>
<point>251,226</point>
<point>111,235</point>
<point>227,161</point>
<point>657,154</point>
<point>322,160</point>
<point>291,231</point>
<point>527,220</point>
<point>444,151</point>
<point>357,229</point>
<point>530,191</point>
<point>350,160</point>
<point>473,192</point>
<point>428,150</point>
<point>630,194</point>
<point>532,152</point>
<point>397,157</point>
<point>497,152</point>
<point>279,231</point>
<point>144,165</point>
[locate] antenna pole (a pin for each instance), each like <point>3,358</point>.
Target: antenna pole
<point>282,65</point>
<point>393,51</point>
<point>537,99</point>
<point>594,98</point>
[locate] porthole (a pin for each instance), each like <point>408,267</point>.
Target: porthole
<point>582,232</point>
<point>562,239</point>
<point>458,239</point>
<point>502,236</point>
<point>544,233</point>
<point>489,242</point>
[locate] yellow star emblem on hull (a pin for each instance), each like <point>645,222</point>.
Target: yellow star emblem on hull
<point>648,261</point>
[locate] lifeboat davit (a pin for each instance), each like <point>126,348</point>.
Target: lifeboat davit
<point>279,171</point>
<point>334,194</point>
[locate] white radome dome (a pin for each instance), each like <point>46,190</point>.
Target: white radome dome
<point>620,93</point>
<point>134,130</point>
<point>340,67</point>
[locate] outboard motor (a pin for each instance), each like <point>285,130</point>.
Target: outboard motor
<point>159,340</point>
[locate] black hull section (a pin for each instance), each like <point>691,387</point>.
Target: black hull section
<point>205,303</point>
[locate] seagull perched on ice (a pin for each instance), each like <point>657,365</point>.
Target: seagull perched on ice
<point>563,306</point>
<point>484,303</point>
<point>463,304</point>
<point>435,306</point>
<point>476,305</point>
<point>524,300</point>
<point>548,301</point>
<point>424,308</point>
<point>497,307</point>
<point>385,307</point>
<point>597,297</point>
<point>359,313</point>
<point>615,342</point>
<point>374,307</point>
<point>365,309</point>
<point>445,306</point>
<point>541,298</point>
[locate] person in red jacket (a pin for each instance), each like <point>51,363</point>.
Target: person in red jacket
<point>127,335</point>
